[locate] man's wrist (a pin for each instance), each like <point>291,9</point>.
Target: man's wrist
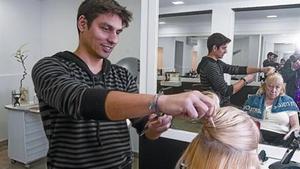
<point>261,69</point>
<point>244,80</point>
<point>153,106</point>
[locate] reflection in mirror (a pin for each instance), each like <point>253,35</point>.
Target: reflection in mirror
<point>258,32</point>
<point>261,32</point>
<point>255,36</point>
<point>181,39</point>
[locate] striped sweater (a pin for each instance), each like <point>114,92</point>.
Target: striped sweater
<point>72,108</point>
<point>212,77</point>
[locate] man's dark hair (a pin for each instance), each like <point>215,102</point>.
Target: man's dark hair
<point>92,8</point>
<point>216,39</point>
<point>270,54</point>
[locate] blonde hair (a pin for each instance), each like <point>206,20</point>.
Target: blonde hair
<point>273,78</point>
<point>231,144</point>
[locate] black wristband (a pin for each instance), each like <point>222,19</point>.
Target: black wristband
<point>245,81</point>
<point>153,106</point>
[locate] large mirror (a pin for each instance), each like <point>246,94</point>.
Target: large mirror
<point>257,31</point>
<point>262,30</point>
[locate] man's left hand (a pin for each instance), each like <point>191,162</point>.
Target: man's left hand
<point>297,130</point>
<point>157,125</point>
<point>269,70</point>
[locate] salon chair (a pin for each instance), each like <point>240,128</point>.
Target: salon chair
<point>286,162</point>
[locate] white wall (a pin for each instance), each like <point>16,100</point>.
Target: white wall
<point>58,26</point>
<point>168,45</point>
<point>253,55</point>
<point>191,29</point>
<point>241,45</point>
<point>20,24</point>
<point>202,49</point>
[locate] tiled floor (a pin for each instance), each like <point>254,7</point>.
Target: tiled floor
<point>5,162</point>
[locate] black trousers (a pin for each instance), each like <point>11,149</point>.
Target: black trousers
<point>272,138</point>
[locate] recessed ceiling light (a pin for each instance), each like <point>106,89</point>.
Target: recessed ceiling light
<point>178,2</point>
<point>272,16</point>
<point>162,22</point>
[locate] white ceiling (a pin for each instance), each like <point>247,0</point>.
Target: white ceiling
<point>168,3</point>
<point>261,14</point>
<point>239,16</point>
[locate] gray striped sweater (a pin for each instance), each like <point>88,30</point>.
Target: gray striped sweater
<point>212,77</point>
<point>72,109</point>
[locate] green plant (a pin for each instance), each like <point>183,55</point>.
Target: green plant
<point>21,56</point>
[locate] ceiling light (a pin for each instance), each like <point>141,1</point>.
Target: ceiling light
<point>272,16</point>
<point>162,22</point>
<point>178,2</point>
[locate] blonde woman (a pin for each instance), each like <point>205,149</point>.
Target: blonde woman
<point>276,113</point>
<point>231,144</point>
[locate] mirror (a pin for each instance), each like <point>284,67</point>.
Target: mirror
<point>254,36</point>
<point>263,30</point>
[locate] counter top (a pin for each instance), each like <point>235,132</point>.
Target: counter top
<point>34,108</point>
<point>171,83</point>
<point>182,79</point>
<point>250,84</point>
<point>197,80</point>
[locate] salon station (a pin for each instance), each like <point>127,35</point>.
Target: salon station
<point>162,48</point>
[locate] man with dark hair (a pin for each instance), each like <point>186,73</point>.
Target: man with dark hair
<point>271,60</point>
<point>212,69</point>
<point>85,100</point>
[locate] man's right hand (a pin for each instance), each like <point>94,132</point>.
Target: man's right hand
<point>268,70</point>
<point>192,104</point>
<point>250,77</point>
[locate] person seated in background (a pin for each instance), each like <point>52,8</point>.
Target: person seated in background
<point>230,144</point>
<point>274,111</point>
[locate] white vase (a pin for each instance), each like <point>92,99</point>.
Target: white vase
<point>24,98</point>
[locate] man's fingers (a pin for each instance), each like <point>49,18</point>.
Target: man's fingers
<point>202,109</point>
<point>161,124</point>
<point>209,105</point>
<point>192,111</point>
